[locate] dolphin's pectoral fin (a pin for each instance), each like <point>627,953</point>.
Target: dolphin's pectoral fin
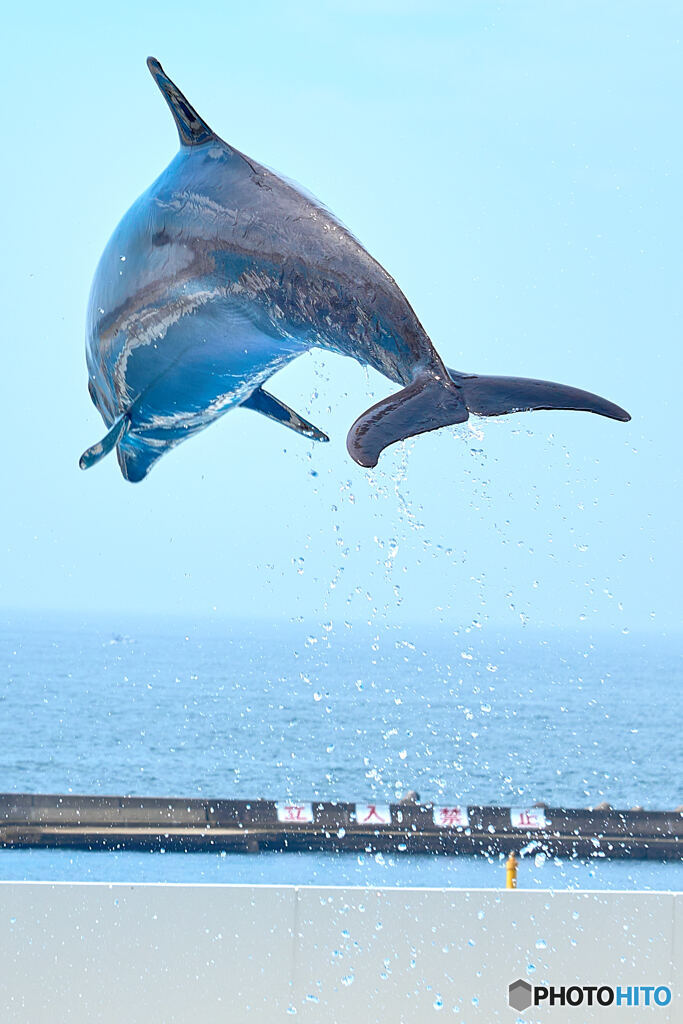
<point>263,402</point>
<point>428,403</point>
<point>495,396</point>
<point>97,451</point>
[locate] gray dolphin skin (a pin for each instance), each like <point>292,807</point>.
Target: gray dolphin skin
<point>223,272</point>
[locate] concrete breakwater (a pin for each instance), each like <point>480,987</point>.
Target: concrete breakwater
<point>155,823</point>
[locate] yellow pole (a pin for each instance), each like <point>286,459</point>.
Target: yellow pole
<point>511,872</point>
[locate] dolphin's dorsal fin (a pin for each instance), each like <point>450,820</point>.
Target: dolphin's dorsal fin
<point>192,129</point>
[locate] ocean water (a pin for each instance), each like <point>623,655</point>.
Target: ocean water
<point>266,710</point>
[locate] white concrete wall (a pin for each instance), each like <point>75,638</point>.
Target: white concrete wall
<point>165,954</point>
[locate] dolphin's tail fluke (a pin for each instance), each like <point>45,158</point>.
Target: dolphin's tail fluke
<point>429,402</point>
<point>496,396</point>
<point>192,129</point>
<point>433,400</point>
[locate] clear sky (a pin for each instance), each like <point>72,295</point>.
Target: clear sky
<point>516,167</point>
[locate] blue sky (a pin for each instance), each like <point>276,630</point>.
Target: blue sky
<point>515,166</point>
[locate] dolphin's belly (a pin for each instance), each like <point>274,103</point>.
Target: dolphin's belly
<point>181,366</point>
<point>207,362</point>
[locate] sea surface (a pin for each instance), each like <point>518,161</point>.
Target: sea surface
<point>274,710</point>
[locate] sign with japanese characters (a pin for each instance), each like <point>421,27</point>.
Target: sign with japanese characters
<point>289,812</point>
<point>528,817</point>
<point>373,814</point>
<point>451,817</point>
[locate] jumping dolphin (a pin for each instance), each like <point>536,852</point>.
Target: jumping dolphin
<point>220,274</point>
